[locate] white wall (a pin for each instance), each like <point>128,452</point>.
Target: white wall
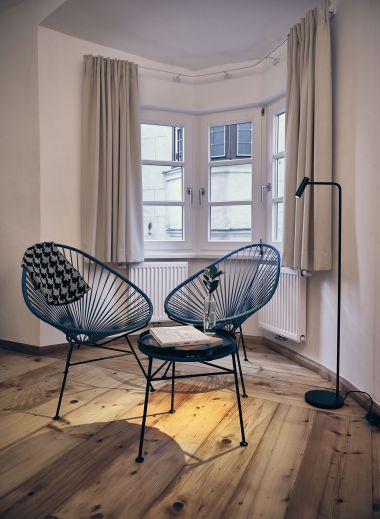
<point>356,76</point>
<point>19,160</point>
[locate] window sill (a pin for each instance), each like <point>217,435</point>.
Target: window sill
<point>162,255</point>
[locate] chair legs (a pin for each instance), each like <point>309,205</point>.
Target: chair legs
<point>242,341</point>
<point>244,394</point>
<point>68,358</point>
<point>172,410</point>
<point>140,457</point>
<point>138,361</point>
<point>243,442</point>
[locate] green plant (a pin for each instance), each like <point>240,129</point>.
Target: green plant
<point>210,278</point>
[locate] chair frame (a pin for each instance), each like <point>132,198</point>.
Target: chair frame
<point>73,333</point>
<point>232,323</point>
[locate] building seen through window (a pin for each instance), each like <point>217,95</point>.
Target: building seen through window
<point>162,173</point>
<point>230,182</point>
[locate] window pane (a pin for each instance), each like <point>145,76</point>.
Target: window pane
<point>280,177</point>
<point>279,220</point>
<point>159,142</point>
<point>230,223</point>
<point>217,141</point>
<point>231,141</point>
<point>163,223</point>
<point>162,183</point>
<point>244,139</point>
<point>280,133</point>
<point>179,144</point>
<point>229,183</point>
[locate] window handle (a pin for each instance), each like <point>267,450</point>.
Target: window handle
<point>189,191</point>
<point>264,187</point>
<point>202,192</point>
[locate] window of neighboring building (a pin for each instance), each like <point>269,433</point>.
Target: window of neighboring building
<point>230,141</point>
<point>162,152</point>
<point>278,161</point>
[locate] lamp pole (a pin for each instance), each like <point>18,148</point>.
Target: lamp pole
<point>324,398</point>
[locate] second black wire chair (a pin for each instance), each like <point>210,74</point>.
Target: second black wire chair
<point>249,280</point>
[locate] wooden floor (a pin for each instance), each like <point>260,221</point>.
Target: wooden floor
<point>300,462</point>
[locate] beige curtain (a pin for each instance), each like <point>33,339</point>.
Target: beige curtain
<point>307,221</point>
<point>112,218</point>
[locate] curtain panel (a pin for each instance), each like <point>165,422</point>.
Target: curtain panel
<point>112,209</point>
<point>307,221</point>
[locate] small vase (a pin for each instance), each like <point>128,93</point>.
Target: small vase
<point>209,322</point>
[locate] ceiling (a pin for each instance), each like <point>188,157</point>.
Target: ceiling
<point>192,34</point>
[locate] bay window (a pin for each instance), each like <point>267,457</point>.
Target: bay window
<point>201,182</point>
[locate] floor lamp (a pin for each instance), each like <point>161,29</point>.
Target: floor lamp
<point>324,398</point>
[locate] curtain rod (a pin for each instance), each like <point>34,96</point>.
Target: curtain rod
<point>226,72</point>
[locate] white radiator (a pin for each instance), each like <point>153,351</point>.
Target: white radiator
<point>157,279</point>
<point>285,314</point>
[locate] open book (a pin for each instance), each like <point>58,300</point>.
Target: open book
<point>182,336</point>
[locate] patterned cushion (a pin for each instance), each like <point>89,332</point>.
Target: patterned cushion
<point>51,274</point>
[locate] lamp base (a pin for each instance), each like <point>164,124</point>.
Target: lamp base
<point>324,399</point>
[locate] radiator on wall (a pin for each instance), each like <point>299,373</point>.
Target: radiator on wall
<point>157,279</point>
<point>285,314</point>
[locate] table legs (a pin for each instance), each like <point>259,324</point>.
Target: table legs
<point>243,442</point>
<point>140,457</point>
<point>172,410</point>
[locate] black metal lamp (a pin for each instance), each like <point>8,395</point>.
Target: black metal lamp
<point>324,398</point>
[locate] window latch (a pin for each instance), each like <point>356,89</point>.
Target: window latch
<point>189,191</point>
<point>202,192</point>
<point>264,187</point>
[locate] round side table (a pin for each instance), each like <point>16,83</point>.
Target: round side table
<point>204,354</point>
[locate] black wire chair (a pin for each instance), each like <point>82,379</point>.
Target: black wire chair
<point>113,308</point>
<point>249,280</point>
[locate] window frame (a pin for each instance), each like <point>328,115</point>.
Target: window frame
<point>273,111</point>
<point>205,163</point>
<point>155,117</point>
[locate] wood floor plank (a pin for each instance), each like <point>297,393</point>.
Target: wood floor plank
<point>265,486</point>
<point>317,484</point>
<point>23,461</point>
<point>192,422</point>
<point>114,446</point>
<point>293,394</point>
<point>31,388</point>
<point>354,498</point>
<point>301,462</point>
<point>205,485</point>
<point>32,408</point>
<point>13,364</point>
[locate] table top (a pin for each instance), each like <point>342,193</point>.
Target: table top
<point>198,353</point>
